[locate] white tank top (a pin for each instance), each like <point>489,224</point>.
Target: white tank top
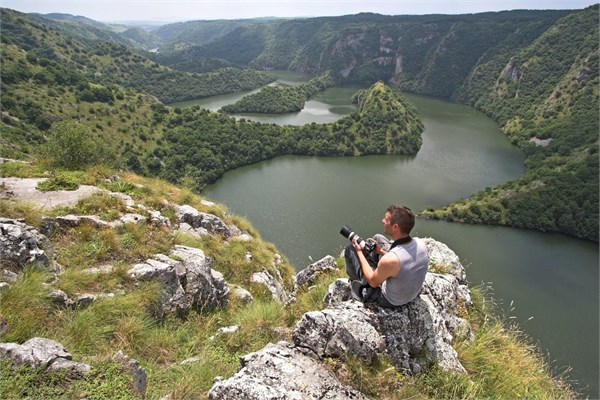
<point>405,286</point>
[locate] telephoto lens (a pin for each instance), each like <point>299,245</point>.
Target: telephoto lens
<point>348,233</point>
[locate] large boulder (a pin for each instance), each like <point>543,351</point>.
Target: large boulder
<point>417,334</point>
<point>21,245</point>
<point>187,279</point>
<point>279,371</point>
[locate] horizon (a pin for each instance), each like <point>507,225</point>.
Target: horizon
<point>189,10</point>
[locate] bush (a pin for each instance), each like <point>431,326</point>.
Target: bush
<point>61,181</point>
<point>71,146</point>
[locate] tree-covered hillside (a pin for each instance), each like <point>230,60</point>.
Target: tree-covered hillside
<point>534,72</point>
<point>281,99</point>
<point>545,97</point>
<point>203,145</point>
<point>48,77</point>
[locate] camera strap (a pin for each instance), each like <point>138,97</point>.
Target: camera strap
<point>401,241</point>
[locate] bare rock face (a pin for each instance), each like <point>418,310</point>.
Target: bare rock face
<point>21,245</point>
<point>187,279</point>
<point>279,371</point>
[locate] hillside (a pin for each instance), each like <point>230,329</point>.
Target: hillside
<point>145,290</point>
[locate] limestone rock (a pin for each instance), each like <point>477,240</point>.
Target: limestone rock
<point>308,275</point>
<point>339,291</point>
<point>348,328</point>
<point>21,244</point>
<point>205,223</point>
<point>279,371</point>
<point>442,257</point>
<point>188,281</point>
<point>42,353</point>
<point>416,334</point>
<point>273,285</point>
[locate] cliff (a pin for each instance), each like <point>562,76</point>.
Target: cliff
<point>144,289</point>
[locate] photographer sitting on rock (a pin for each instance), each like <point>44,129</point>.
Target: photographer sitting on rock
<point>392,274</point>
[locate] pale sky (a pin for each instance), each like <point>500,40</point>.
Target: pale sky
<point>185,10</point>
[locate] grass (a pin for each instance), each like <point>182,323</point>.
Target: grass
<point>501,362</point>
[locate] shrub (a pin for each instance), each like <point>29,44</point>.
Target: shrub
<point>72,146</point>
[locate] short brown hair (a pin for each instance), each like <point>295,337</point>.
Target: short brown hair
<point>403,216</point>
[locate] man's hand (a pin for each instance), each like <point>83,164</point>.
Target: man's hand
<point>356,246</point>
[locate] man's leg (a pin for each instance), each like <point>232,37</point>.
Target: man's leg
<point>353,268</point>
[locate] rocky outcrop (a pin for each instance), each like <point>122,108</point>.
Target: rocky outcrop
<point>413,336</point>
<point>204,223</point>
<point>22,245</point>
<point>187,279</point>
<point>280,371</point>
<point>45,354</point>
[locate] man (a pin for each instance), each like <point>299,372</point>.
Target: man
<point>400,271</point>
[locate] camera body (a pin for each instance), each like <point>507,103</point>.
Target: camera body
<point>348,233</point>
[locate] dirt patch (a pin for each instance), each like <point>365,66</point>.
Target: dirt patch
<point>24,189</point>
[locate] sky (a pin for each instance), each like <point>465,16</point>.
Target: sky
<point>186,10</point>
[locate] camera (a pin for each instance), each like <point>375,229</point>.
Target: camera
<point>347,232</point>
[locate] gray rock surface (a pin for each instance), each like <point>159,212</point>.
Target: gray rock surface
<point>308,275</point>
<point>43,353</point>
<point>21,245</point>
<point>279,371</point>
<point>133,368</point>
<point>205,223</point>
<point>412,336</point>
<point>188,281</point>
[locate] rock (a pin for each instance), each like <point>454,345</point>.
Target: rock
<point>308,275</point>
<point>338,292</point>
<point>273,285</point>
<point>8,276</point>
<point>157,219</point>
<point>73,369</point>
<point>60,299</point>
<point>347,328</point>
<point>279,371</point>
<point>133,368</point>
<point>21,245</point>
<point>72,221</point>
<point>205,222</point>
<point>187,282</point>
<point>416,334</point>
<point>442,257</point>
<point>43,353</point>
<point>244,296</point>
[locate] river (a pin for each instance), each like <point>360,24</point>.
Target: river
<point>546,283</point>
